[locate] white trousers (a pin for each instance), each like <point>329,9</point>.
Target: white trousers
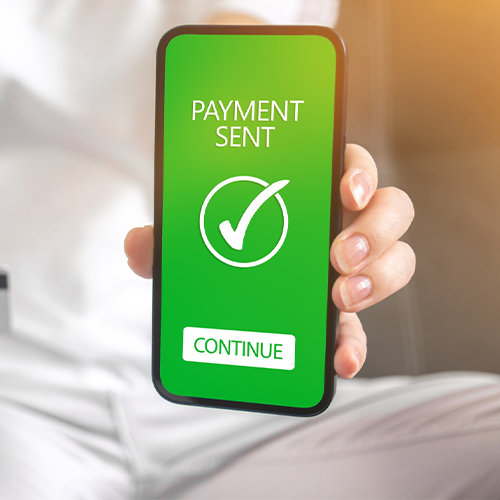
<point>435,436</point>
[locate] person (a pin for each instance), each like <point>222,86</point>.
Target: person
<point>79,417</point>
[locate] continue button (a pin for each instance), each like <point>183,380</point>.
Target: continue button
<point>232,347</point>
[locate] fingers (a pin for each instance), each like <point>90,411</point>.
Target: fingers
<point>379,225</point>
<point>350,354</point>
<point>388,274</point>
<point>359,181</point>
<point>139,245</point>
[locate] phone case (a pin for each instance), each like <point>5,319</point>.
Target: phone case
<point>250,138</point>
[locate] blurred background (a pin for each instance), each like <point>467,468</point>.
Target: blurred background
<point>424,99</point>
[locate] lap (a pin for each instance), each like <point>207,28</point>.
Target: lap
<point>435,437</point>
<point>397,437</point>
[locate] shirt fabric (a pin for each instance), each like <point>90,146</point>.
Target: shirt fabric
<point>77,81</point>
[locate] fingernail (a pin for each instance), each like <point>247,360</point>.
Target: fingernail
<point>351,252</point>
<point>360,186</point>
<point>354,290</point>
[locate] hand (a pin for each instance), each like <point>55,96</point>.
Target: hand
<point>371,261</point>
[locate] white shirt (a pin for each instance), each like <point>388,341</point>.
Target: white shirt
<point>77,84</point>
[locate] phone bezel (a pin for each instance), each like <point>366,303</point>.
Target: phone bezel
<point>335,210</point>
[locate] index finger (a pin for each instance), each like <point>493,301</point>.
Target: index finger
<point>360,178</point>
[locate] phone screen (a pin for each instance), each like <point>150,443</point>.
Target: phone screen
<point>247,173</point>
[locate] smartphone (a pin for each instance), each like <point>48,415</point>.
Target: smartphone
<point>248,158</point>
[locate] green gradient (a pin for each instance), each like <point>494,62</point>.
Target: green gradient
<point>287,294</point>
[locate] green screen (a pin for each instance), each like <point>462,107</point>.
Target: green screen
<point>245,262</point>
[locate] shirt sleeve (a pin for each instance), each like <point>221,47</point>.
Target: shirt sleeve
<point>318,12</point>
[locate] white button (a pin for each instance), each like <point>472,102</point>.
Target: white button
<point>239,348</point>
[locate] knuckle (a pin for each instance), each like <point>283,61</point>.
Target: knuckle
<point>356,148</point>
<point>400,204</point>
<point>408,261</point>
<point>411,207</point>
<point>362,340</point>
<point>360,345</point>
<point>395,194</point>
<point>403,201</point>
<point>357,151</point>
<point>381,230</point>
<point>352,332</point>
<point>411,258</point>
<point>395,270</point>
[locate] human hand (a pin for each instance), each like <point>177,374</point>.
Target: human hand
<point>371,261</point>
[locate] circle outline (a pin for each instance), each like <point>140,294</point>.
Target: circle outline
<point>214,252</point>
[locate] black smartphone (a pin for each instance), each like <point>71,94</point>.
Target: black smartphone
<point>249,151</point>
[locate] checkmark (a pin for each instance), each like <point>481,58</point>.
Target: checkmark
<point>235,237</point>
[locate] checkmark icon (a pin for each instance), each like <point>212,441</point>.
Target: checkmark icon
<point>235,237</point>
